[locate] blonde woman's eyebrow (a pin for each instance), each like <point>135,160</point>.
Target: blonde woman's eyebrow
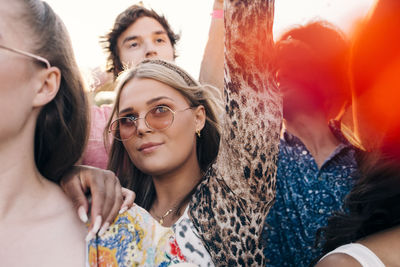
<point>151,101</point>
<point>125,111</point>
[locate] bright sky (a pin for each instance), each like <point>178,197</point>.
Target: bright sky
<point>87,20</point>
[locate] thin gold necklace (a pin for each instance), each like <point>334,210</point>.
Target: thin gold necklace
<point>161,221</point>
<point>161,218</point>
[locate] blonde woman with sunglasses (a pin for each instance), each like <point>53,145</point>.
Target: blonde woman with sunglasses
<point>204,185</point>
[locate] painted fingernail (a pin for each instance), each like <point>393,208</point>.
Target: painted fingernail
<point>89,236</point>
<point>97,224</point>
<point>104,229</point>
<point>123,210</point>
<point>82,214</point>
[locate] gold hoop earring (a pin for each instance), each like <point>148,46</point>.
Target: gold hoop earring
<point>198,133</point>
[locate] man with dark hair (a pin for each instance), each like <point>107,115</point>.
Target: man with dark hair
<point>151,37</point>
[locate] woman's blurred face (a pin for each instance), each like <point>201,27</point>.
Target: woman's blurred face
<point>17,78</point>
<point>158,152</point>
<point>144,39</point>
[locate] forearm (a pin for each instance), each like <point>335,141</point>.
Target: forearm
<point>249,143</point>
<point>212,65</point>
<point>232,202</point>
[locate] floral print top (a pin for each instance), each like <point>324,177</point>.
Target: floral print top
<point>135,239</point>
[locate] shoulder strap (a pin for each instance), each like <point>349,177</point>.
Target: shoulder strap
<point>359,252</point>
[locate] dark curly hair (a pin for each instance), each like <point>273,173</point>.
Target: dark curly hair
<point>122,22</point>
<point>370,207</point>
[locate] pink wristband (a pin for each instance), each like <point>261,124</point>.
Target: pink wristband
<point>217,14</point>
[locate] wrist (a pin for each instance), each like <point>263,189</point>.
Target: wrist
<point>217,14</point>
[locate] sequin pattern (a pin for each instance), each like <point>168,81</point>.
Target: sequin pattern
<point>305,197</point>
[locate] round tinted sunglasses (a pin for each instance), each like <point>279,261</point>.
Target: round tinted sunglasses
<point>158,118</point>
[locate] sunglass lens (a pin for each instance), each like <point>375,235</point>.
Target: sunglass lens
<point>159,118</point>
<point>123,128</point>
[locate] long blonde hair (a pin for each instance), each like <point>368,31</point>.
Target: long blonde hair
<point>196,94</point>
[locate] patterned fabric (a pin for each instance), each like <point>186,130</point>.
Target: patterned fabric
<point>190,242</point>
<point>305,197</point>
<point>230,205</point>
<point>135,239</point>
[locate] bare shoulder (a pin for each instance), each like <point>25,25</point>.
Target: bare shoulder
<point>338,259</point>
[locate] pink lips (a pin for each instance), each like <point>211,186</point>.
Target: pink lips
<point>149,147</point>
